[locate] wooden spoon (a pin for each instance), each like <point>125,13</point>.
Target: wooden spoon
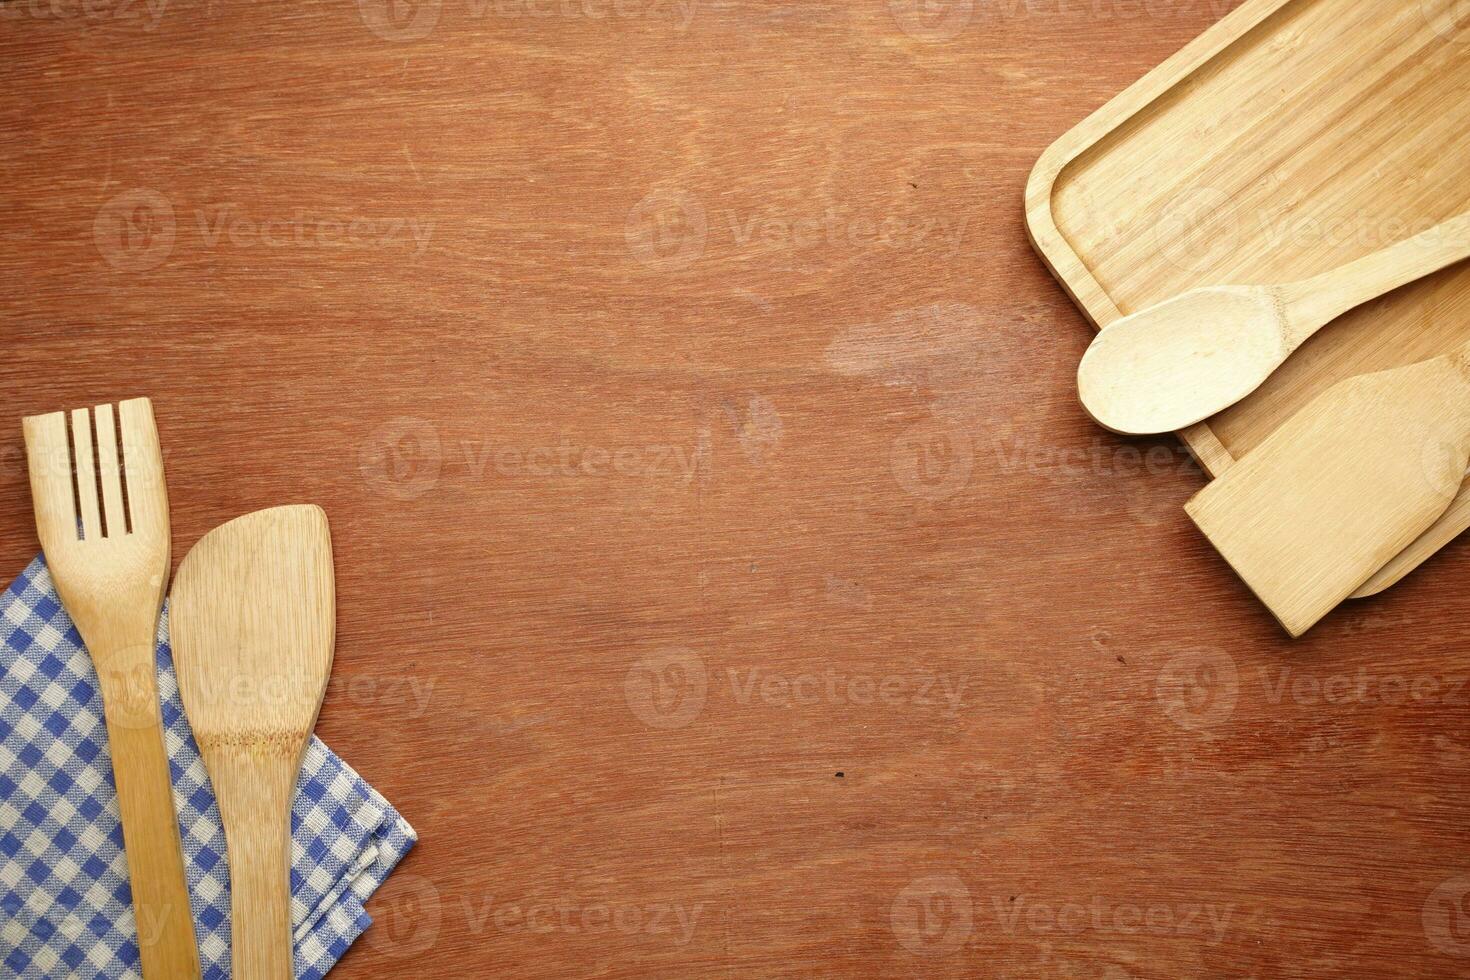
<point>253,629</point>
<point>1331,496</point>
<point>1172,365</point>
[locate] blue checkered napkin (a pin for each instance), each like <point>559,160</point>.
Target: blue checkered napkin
<point>65,908</point>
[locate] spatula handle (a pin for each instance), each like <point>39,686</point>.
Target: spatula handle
<point>1322,299</point>
<point>166,941</point>
<point>255,785</point>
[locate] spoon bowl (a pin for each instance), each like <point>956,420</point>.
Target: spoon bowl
<point>1177,363</point>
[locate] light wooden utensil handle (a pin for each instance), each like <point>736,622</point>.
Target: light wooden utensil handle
<point>1324,298</point>
<point>166,941</point>
<point>255,791</point>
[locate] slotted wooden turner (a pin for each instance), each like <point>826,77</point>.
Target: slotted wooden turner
<point>110,562</point>
<point>253,626</point>
<point>1315,510</point>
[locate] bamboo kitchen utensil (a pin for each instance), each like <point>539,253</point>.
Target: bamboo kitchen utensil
<point>1343,486</point>
<point>1289,138</point>
<point>253,626</point>
<point>110,563</point>
<point>1190,357</point>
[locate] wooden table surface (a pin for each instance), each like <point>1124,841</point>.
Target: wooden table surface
<point>729,583</point>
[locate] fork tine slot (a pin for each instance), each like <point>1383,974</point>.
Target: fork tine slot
<point>81,437</point>
<point>143,460</point>
<point>49,460</point>
<point>110,469</point>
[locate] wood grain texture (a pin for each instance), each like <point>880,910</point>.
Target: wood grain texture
<point>1294,137</point>
<point>1190,357</point>
<point>252,625</point>
<point>837,455</point>
<point>1342,486</point>
<point>1181,361</point>
<point>111,570</point>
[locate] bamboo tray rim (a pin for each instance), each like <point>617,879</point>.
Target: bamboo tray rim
<point>1069,269</point>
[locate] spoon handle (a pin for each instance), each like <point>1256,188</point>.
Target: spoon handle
<point>255,785</point>
<point>1318,301</point>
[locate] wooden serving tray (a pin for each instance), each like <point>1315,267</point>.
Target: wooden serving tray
<point>1290,138</point>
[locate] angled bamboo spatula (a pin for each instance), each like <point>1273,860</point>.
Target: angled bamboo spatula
<point>253,626</point>
<point>110,563</point>
<point>1331,496</point>
<point>1169,366</point>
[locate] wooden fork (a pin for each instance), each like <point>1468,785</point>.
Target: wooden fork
<point>110,563</point>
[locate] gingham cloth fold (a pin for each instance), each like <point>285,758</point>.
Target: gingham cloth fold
<point>65,907</point>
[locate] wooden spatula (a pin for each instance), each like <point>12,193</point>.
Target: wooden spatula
<point>1315,510</point>
<point>253,625</point>
<point>1172,365</point>
<point>109,559</point>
